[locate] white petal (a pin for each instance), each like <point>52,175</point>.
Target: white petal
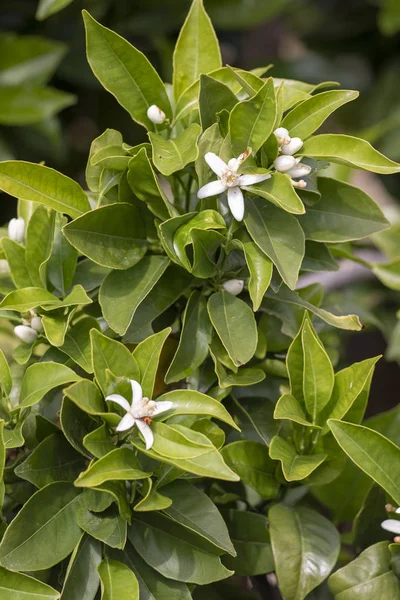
<point>215,163</point>
<point>146,432</point>
<point>299,170</point>
<point>281,132</point>
<point>126,422</point>
<point>391,525</point>
<point>137,392</point>
<point>212,189</point>
<point>236,202</point>
<point>252,179</point>
<point>118,399</point>
<point>292,147</point>
<point>162,406</point>
<point>234,164</point>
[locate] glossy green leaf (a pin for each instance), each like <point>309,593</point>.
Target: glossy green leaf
<point>99,442</point>
<point>389,274</point>
<point>280,191</point>
<point>151,500</point>
<point>39,241</point>
<point>41,184</point>
<point>5,374</point>
<point>278,235</point>
<point>173,155</point>
<point>252,121</point>
<point>251,461</point>
<point>196,51</point>
<point>305,547</point>
<point>179,442</point>
<point>112,355</point>
<point>294,466</point>
<point>46,8</point>
<point>260,268</point>
<point>125,72</point>
<point>63,260</point>
<point>120,464</point>
<point>17,586</point>
<point>51,461</point>
<point>107,526</point>
<point>183,236</point>
<point>77,343</point>
<point>44,531</point>
<point>122,291</point>
<point>118,582</point>
<point>86,395</point>
<point>94,172</point>
<point>344,213</point>
<point>55,325</point>
<point>111,236</point>
<point>147,357</point>
<point>234,322</point>
<point>173,550</point>
<point>350,151</point>
<point>309,115</point>
<point>15,256</point>
<point>289,408</point>
<point>81,580</point>
<point>214,96</point>
<point>40,378</point>
<point>372,452</point>
<point>194,341</point>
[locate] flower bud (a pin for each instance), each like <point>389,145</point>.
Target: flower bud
<point>233,286</point>
<point>155,114</point>
<point>37,324</point>
<point>299,170</point>
<point>16,229</point>
<point>284,163</point>
<point>25,334</point>
<point>301,184</point>
<point>282,135</point>
<point>292,147</point>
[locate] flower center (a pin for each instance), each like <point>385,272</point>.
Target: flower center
<point>230,178</point>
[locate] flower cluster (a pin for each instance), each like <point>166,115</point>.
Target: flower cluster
<point>286,162</point>
<point>31,327</point>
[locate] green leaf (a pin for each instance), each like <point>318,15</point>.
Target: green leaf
<point>15,256</point>
<point>388,274</point>
<point>81,580</point>
<point>63,260</point>
<point>179,442</point>
<point>196,51</point>
<point>151,500</point>
<point>99,442</point>
<point>280,191</point>
<point>5,374</point>
<point>147,357</point>
<point>120,464</point>
<point>343,214</point>
<point>107,526</point>
<point>278,235</point>
<point>31,297</point>
<point>191,402</point>
<point>77,343</point>
<point>76,424</point>
<point>372,452</point>
<point>40,378</point>
<point>260,268</point>
<point>193,509</point>
<point>41,184</point>
<point>118,582</point>
<point>125,72</point>
<point>288,407</point>
<point>214,96</point>
<point>173,550</point>
<point>51,461</point>
<point>251,461</point>
<point>234,322</point>
<point>44,531</point>
<point>249,534</point>
<point>17,586</point>
<point>23,105</point>
<point>111,236</point>
<point>122,291</point>
<point>86,395</point>
<point>194,340</point>
<point>182,236</point>
<point>251,122</point>
<point>94,172</point>
<point>112,355</point>
<point>55,325</point>
<point>301,537</point>
<point>294,466</point>
<point>46,8</point>
<point>173,155</point>
<point>309,115</point>
<point>350,151</point>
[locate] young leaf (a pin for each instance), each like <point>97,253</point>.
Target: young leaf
<point>288,407</point>
<point>280,191</point>
<point>173,155</point>
<point>111,355</point>
<point>120,464</point>
<point>40,378</point>
<point>147,357</point>
<point>260,268</point>
<point>294,466</point>
<point>118,582</point>
<point>125,72</point>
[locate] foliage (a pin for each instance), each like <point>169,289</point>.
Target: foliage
<point>173,415</point>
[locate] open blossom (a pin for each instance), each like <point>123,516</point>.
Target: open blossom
<point>139,412</point>
<point>229,181</point>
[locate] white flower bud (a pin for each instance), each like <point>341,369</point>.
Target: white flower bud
<point>25,334</point>
<point>292,147</point>
<point>16,229</point>
<point>299,184</point>
<point>233,286</point>
<point>155,114</point>
<point>299,170</point>
<point>37,324</point>
<point>284,163</point>
<point>282,135</point>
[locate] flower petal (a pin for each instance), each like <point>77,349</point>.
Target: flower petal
<point>119,400</point>
<point>236,202</point>
<point>126,422</point>
<point>391,525</point>
<point>162,406</point>
<point>146,432</point>
<point>215,163</point>
<point>137,392</point>
<point>252,179</point>
<point>212,189</point>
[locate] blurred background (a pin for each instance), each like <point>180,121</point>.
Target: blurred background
<point>51,107</point>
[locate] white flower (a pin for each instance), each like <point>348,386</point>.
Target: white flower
<point>292,147</point>
<point>139,412</point>
<point>155,114</point>
<point>16,229</point>
<point>233,286</point>
<point>284,163</point>
<point>229,181</point>
<point>36,324</point>
<point>25,334</point>
<point>282,135</point>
